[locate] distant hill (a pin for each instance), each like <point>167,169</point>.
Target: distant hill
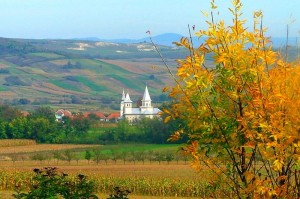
<point>167,39</point>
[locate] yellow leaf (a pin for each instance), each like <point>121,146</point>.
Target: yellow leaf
<point>167,119</point>
<point>165,89</point>
<point>278,164</point>
<point>297,145</point>
<point>175,136</point>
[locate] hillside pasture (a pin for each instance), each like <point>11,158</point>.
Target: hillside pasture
<point>47,55</point>
<point>133,66</point>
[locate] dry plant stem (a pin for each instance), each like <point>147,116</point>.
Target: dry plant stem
<point>263,44</point>
<point>168,68</point>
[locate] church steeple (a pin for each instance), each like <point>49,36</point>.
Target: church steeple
<point>127,98</point>
<point>127,102</point>
<point>123,95</point>
<point>146,101</point>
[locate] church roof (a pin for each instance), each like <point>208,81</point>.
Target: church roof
<point>127,98</point>
<point>146,96</point>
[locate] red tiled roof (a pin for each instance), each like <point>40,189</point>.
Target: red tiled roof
<point>98,114</point>
<point>85,114</point>
<point>113,116</point>
<point>64,112</point>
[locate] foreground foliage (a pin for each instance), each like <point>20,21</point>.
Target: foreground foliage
<point>119,194</point>
<point>48,183</point>
<point>243,113</point>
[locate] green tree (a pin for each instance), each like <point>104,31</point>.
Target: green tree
<point>42,130</point>
<point>150,155</point>
<point>8,113</point>
<point>104,157</point>
<point>159,157</point>
<point>140,156</point>
<point>43,112</point>
<point>124,156</point>
<point>69,155</point>
<point>57,155</point>
<point>3,134</point>
<point>97,155</point>
<point>169,157</point>
<point>115,155</point>
<point>67,126</point>
<point>88,156</point>
<point>19,128</point>
<point>80,124</point>
<point>39,156</point>
<point>154,130</point>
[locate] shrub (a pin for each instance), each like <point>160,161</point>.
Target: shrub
<point>119,194</point>
<point>49,183</point>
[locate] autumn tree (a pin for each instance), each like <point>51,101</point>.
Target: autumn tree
<point>242,111</point>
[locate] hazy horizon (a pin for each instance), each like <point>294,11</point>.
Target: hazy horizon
<point>131,19</point>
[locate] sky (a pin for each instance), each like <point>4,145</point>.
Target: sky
<point>131,19</point>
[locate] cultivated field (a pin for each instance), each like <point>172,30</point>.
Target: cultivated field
<point>15,147</point>
<point>164,180</point>
<point>146,179</point>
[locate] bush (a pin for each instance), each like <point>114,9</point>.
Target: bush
<point>119,194</point>
<point>48,183</point>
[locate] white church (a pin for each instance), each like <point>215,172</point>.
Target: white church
<point>132,114</point>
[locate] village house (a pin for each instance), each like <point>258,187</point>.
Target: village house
<point>98,115</point>
<point>112,117</point>
<point>62,113</point>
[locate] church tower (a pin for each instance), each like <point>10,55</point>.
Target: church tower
<point>127,104</point>
<point>146,102</point>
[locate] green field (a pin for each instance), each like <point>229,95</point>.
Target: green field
<point>48,55</point>
<point>65,85</point>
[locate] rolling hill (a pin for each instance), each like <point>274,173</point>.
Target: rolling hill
<point>73,73</point>
<point>84,74</point>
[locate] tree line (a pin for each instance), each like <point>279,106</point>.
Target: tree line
<point>40,125</point>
